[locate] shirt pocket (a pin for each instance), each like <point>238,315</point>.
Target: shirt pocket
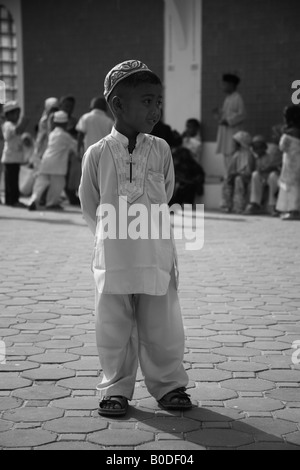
<point>155,187</point>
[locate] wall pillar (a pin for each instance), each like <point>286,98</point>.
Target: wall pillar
<point>182,62</point>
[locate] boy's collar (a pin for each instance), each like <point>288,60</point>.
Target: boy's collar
<point>123,139</point>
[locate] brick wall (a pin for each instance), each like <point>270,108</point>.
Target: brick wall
<point>69,45</point>
<point>261,40</point>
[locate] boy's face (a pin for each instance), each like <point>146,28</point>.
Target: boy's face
<point>141,109</point>
<point>259,149</point>
<point>68,106</point>
<point>228,87</point>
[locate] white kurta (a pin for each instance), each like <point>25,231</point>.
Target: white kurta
<point>234,112</point>
<point>128,266</point>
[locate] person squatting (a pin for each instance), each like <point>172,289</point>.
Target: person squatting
<point>138,316</point>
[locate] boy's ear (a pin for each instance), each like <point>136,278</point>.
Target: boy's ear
<point>116,104</point>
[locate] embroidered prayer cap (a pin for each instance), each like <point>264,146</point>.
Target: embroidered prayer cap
<point>10,106</point>
<point>121,71</point>
<point>243,138</point>
<point>60,117</point>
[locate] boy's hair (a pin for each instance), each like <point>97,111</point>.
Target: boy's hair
<point>63,99</point>
<point>231,78</point>
<point>99,102</point>
<point>194,122</point>
<point>134,80</point>
<point>292,115</point>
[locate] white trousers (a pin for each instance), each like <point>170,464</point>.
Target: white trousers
<point>55,183</point>
<point>144,328</point>
<point>258,184</point>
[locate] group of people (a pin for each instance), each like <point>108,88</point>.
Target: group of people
<point>186,152</point>
<point>52,158</point>
<point>260,176</point>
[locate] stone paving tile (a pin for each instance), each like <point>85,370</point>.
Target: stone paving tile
<point>266,429</point>
<point>211,392</point>
<point>226,438</point>
<point>281,375</point>
<point>183,445</point>
<point>63,445</point>
<point>116,437</point>
<point>25,438</point>
<point>8,403</point>
<point>48,374</point>
<point>208,375</point>
<point>33,414</point>
<point>244,366</point>
<point>249,385</point>
<point>75,425</point>
<point>285,394</point>
<point>169,425</point>
<point>17,366</point>
<point>13,383</point>
<point>41,392</point>
<point>259,404</point>
<point>54,358</point>
<point>269,446</point>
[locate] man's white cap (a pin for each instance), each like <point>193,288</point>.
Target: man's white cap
<point>10,106</point>
<point>60,117</point>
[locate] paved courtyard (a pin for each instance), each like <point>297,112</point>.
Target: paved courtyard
<point>240,298</point>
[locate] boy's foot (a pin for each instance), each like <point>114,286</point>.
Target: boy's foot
<point>113,406</point>
<point>32,207</point>
<point>291,216</point>
<point>252,209</point>
<point>178,399</point>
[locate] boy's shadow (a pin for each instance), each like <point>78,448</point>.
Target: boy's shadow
<point>216,428</point>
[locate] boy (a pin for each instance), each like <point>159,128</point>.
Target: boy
<point>94,125</point>
<point>135,278</point>
<point>266,174</point>
<point>192,138</point>
<point>235,188</point>
<point>54,164</point>
<point>231,117</point>
<point>12,156</point>
<point>67,104</point>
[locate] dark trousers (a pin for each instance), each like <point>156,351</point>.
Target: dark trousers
<point>11,180</point>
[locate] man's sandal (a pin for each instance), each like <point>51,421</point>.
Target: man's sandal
<point>176,400</point>
<point>113,406</point>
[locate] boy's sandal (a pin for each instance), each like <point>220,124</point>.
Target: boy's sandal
<point>113,406</point>
<point>176,400</point>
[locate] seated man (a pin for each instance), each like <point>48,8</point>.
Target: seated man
<point>266,175</point>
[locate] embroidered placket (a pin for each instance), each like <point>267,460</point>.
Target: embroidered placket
<point>134,188</point>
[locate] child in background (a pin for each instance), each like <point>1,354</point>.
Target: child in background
<point>67,104</point>
<point>231,118</point>
<point>265,176</point>
<point>235,189</point>
<point>44,129</point>
<point>189,177</point>
<point>13,155</point>
<point>192,138</point>
<point>289,194</point>
<point>93,126</point>
<point>54,164</point>
<point>138,314</point>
